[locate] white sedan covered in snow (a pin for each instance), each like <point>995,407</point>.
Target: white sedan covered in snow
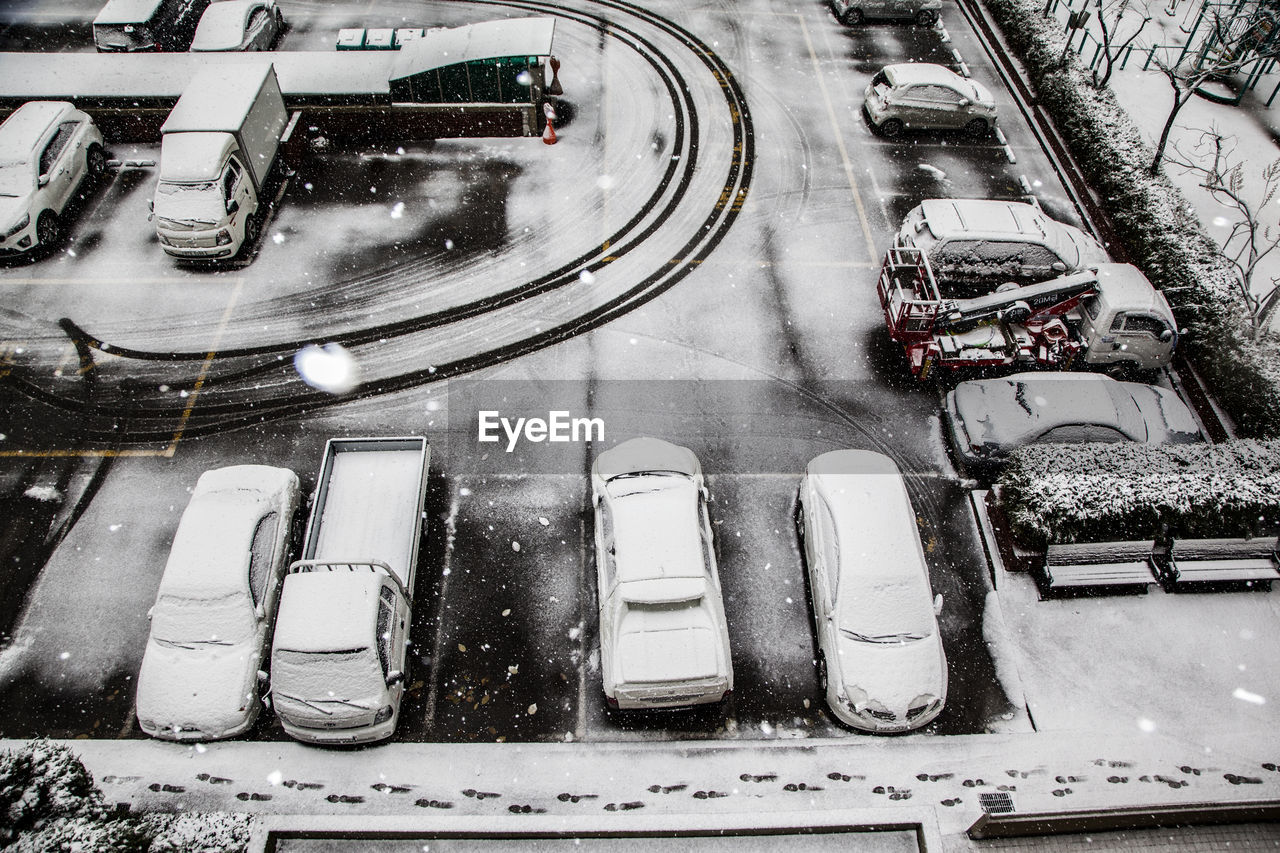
<point>664,641</point>
<point>213,613</point>
<point>880,658</point>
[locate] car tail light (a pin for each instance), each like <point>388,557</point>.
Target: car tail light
<point>22,223</point>
<point>611,701</point>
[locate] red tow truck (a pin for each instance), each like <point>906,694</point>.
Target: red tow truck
<point>1108,317</point>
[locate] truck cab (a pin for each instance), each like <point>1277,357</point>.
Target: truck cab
<point>204,200</point>
<point>1127,323</point>
<point>339,655</point>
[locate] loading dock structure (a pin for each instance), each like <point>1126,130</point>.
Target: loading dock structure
<point>482,79</point>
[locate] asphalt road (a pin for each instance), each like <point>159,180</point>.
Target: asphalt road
<point>694,259</point>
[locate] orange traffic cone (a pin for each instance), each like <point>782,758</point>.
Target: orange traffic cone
<point>549,133</point>
<point>555,88</point>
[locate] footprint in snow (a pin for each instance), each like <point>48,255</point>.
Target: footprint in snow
<point>764,777</point>
<point>973,783</point>
<point>1006,787</point>
<point>1102,762</point>
<point>1117,780</point>
<point>575,798</point>
<point>1061,792</point>
<point>383,788</point>
<point>111,779</point>
<point>666,789</point>
<point>1192,770</point>
<point>708,795</point>
<point>801,786</point>
<point>1064,780</point>
<point>934,777</point>
<point>514,809</point>
<point>1241,780</point>
<point>623,807</point>
<point>344,798</point>
<point>168,789</point>
<point>1267,765</point>
<point>309,786</point>
<point>900,795</point>
<point>844,777</point>
<point>433,804</point>
<point>213,780</point>
<point>1172,783</point>
<point>255,796</point>
<point>479,795</point>
<point>951,801</point>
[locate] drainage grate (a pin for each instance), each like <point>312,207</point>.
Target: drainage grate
<point>996,802</point>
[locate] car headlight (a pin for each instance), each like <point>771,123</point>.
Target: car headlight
<point>384,714</point>
<point>22,223</point>
<point>224,237</point>
<point>164,241</point>
<point>921,705</point>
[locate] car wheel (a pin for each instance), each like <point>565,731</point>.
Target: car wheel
<point>252,231</point>
<point>822,673</point>
<point>976,129</point>
<point>852,18</point>
<point>892,128</point>
<point>96,161</point>
<point>48,230</point>
<point>926,17</point>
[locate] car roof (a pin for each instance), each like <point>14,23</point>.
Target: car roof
<point>328,611</point>
<point>655,528</point>
<point>127,11</point>
<point>210,553</point>
<point>222,24</point>
<point>1126,285</point>
<point>871,510</point>
<point>983,218</point>
<point>25,128</point>
<point>920,72</point>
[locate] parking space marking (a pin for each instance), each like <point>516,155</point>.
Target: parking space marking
<point>97,281</point>
<point>585,612</point>
<point>839,137</point>
<point>433,689</point>
<point>172,447</point>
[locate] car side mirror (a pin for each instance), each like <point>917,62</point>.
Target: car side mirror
<point>1166,336</point>
<point>151,612</point>
<point>232,206</point>
<point>1058,267</point>
<point>394,677</point>
<point>262,676</point>
<point>964,102</point>
<point>937,604</point>
<point>260,610</point>
<point>43,180</point>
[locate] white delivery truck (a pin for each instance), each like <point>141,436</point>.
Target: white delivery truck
<point>340,650</point>
<point>217,149</point>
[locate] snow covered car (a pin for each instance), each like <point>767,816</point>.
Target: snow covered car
<point>880,657</point>
<point>664,641</point>
<point>969,240</point>
<point>987,419</point>
<point>129,26</point>
<point>924,96</point>
<point>238,25</point>
<point>854,12</point>
<point>48,149</point>
<point>213,613</point>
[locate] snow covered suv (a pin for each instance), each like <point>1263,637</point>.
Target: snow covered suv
<point>989,242</point>
<point>48,149</point>
<point>664,642</point>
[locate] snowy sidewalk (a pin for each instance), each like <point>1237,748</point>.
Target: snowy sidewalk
<point>934,780</point>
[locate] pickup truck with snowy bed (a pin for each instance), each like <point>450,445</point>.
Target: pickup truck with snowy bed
<point>339,657</point>
<point>1107,318</point>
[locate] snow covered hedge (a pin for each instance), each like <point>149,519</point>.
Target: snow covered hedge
<point>1104,492</point>
<point>1153,220</point>
<point>48,802</point>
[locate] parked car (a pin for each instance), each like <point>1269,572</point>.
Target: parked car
<point>238,25</point>
<point>880,660</point>
<point>987,419</point>
<point>664,641</point>
<point>854,12</point>
<point>129,26</point>
<point>48,150</point>
<point>924,96</point>
<point>217,599</point>
<point>985,241</point>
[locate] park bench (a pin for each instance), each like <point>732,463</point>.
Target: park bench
<point>1124,565</point>
<point>1235,562</point>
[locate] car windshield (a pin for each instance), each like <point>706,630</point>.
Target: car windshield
<point>327,679</point>
<point>15,179</point>
<point>195,622</point>
<point>199,202</point>
<point>884,611</point>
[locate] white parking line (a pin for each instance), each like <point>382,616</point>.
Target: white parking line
<point>585,611</point>
<point>433,692</point>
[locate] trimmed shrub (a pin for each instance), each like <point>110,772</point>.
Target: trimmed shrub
<point>1106,492</point>
<point>1152,218</point>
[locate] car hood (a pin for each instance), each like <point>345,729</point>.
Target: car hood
<point>646,454</point>
<point>984,96</point>
<point>892,674</point>
<point>210,689</point>
<point>13,209</point>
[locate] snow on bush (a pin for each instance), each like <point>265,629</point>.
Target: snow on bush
<point>1101,492</point>
<point>1154,221</point>
<point>48,802</point>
